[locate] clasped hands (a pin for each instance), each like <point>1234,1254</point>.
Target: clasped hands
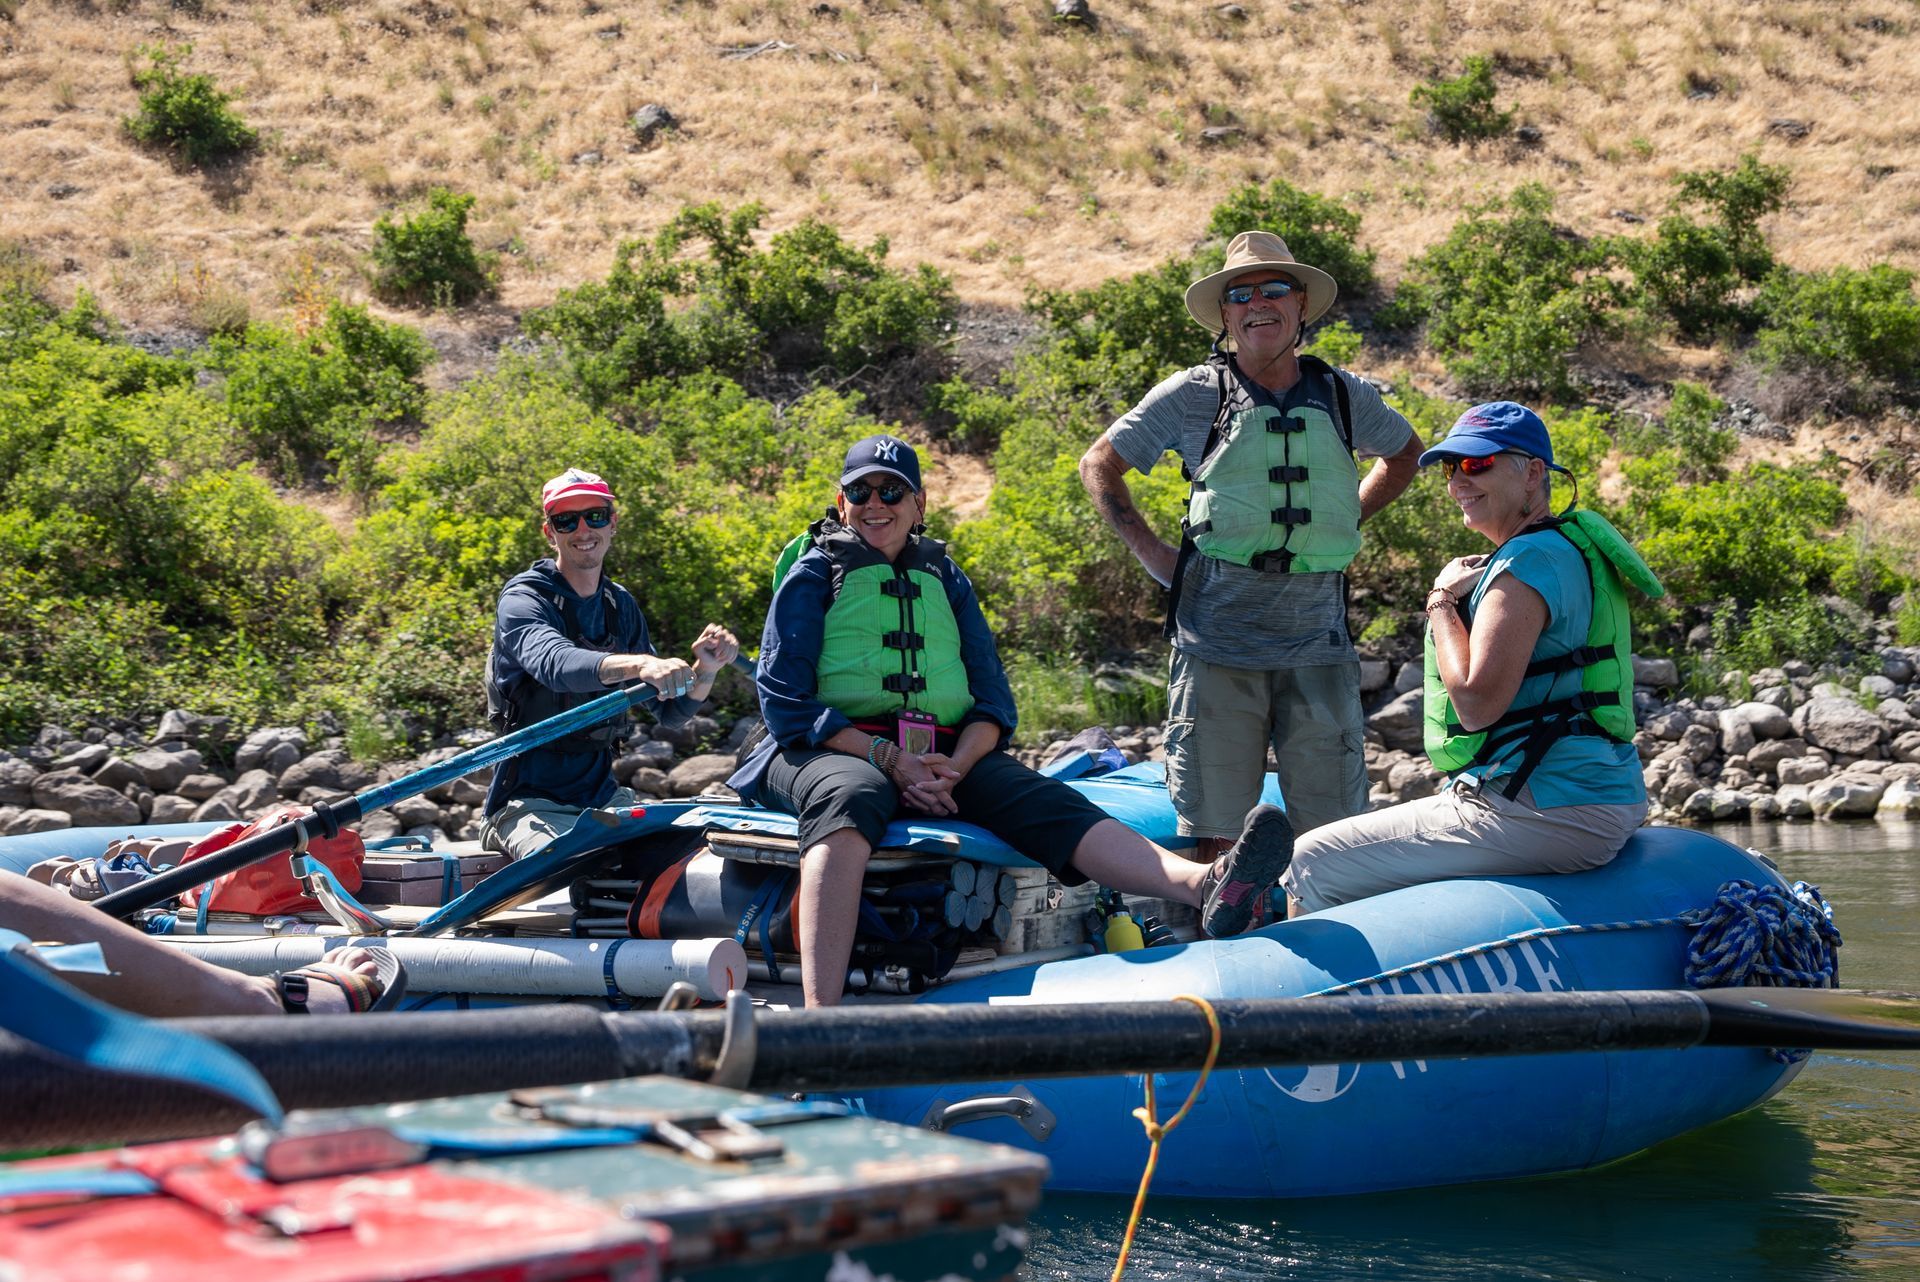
<point>926,782</point>
<point>713,650</point>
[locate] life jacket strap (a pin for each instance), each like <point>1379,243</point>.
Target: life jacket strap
<point>1292,516</point>
<point>1278,561</point>
<point>903,683</point>
<point>1286,475</point>
<point>900,586</point>
<point>903,640</point>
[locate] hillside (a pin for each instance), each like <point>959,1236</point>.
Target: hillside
<point>987,139</point>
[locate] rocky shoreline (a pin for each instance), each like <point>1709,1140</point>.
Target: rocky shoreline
<point>1803,746</point>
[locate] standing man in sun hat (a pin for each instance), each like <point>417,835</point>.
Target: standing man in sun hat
<point>1258,612</point>
<point>563,635</point>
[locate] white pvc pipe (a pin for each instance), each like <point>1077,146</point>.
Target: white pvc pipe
<point>506,967</point>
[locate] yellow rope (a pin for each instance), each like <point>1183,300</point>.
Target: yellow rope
<point>1157,1132</point>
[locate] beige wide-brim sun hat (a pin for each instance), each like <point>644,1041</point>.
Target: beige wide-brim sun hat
<point>1253,251</point>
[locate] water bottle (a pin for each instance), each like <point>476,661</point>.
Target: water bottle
<point>1123,933</point>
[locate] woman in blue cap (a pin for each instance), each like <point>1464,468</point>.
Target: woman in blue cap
<point>882,691</point>
<point>1529,689</point>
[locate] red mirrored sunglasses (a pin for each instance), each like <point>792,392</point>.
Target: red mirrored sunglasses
<point>1476,466</point>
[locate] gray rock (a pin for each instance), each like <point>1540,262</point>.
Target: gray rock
<point>1374,675</point>
<point>1797,669</point>
<point>1412,779</point>
<point>88,803</point>
<point>322,796</point>
<point>1767,720</point>
<point>35,819</point>
<point>199,787</point>
<point>1381,761</point>
<point>163,770</point>
<point>655,754</point>
<point>1670,724</point>
<point>1412,676</point>
<point>648,782</point>
<point>250,793</point>
<point>1767,756</point>
<point>272,748</point>
<point>745,726</point>
<point>1681,783</point>
<point>1846,797</point>
<point>86,758</point>
<point>1779,696</point>
<point>1793,802</point>
<point>1840,725</point>
<point>1399,723</point>
<point>1896,666</point>
<point>1736,734</point>
<point>1907,746</point>
<point>413,812</point>
<point>117,773</point>
<point>1659,673</point>
<point>220,810</point>
<point>1879,687</point>
<point>1763,807</point>
<point>378,826</point>
<point>201,732</point>
<point>1700,744</point>
<point>1072,11</point>
<point>319,770</point>
<point>1796,770</point>
<point>650,120</point>
<point>1767,677</point>
<point>170,808</point>
<point>1898,717</point>
<point>16,782</point>
<point>1901,800</point>
<point>696,775</point>
<point>1834,690</point>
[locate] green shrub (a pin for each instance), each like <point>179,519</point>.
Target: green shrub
<point>311,404</point>
<point>1318,230</point>
<point>809,298</point>
<point>187,114</point>
<point>1689,272</point>
<point>425,255</point>
<point>1115,340</point>
<point>1508,296</point>
<point>1765,634</point>
<point>1698,448</point>
<point>1461,109</point>
<point>1336,344</point>
<point>1865,324</point>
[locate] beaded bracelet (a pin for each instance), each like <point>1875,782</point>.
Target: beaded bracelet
<point>1447,599</point>
<point>891,753</point>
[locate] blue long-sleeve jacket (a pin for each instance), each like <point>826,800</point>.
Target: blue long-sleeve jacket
<point>531,642</point>
<point>790,654</point>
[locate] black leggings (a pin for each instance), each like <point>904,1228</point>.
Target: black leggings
<point>1041,818</point>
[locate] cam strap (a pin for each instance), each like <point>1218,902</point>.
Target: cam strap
<point>900,639</point>
<point>1292,516</point>
<point>903,683</point>
<point>1286,475</point>
<point>900,586</point>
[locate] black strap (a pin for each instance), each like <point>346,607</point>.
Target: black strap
<point>1286,475</point>
<point>901,586</point>
<point>1584,657</point>
<point>903,640</point>
<point>903,683</point>
<point>1292,516</point>
<point>1180,560</point>
<point>1285,424</point>
<point>1278,561</point>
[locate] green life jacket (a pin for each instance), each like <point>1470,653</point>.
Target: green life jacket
<point>1604,704</point>
<point>891,640</point>
<point>1274,492</point>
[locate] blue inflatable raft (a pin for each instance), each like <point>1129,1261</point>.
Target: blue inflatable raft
<point>1331,1128</point>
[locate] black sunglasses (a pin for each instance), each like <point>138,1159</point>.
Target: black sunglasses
<point>891,493</point>
<point>1269,289</point>
<point>567,522</point>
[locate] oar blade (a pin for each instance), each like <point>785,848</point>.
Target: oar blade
<point>1826,1018</point>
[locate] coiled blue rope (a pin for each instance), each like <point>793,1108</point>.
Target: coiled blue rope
<point>1763,936</point>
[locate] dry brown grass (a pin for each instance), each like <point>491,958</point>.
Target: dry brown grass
<point>978,136</point>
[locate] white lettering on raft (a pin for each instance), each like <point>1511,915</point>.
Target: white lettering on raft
<point>1493,971</point>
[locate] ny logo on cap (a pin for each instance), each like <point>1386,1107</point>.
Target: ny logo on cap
<point>887,448</point>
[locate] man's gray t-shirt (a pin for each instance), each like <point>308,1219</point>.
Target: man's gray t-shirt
<point>1230,614</point>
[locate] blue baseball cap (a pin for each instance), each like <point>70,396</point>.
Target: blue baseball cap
<point>881,453</point>
<point>1493,428</point>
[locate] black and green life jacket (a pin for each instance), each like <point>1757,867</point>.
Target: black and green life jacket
<point>1604,703</point>
<point>891,641</point>
<point>512,705</point>
<point>1276,491</point>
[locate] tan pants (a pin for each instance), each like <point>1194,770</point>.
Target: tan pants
<point>524,826</point>
<point>1462,832</point>
<point>1220,721</point>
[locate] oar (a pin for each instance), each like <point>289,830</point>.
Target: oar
<point>284,837</point>
<point>331,1061</point>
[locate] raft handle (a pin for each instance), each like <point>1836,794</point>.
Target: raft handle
<point>1020,1104</point>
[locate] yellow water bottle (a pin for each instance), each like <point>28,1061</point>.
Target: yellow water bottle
<point>1123,932</point>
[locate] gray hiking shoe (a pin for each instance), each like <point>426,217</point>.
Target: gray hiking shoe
<point>1232,888</point>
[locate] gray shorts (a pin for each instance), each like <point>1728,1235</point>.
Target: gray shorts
<point>525,825</point>
<point>1220,722</point>
<point>1463,832</point>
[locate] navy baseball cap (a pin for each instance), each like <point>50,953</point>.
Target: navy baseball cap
<point>1493,428</point>
<point>881,453</point>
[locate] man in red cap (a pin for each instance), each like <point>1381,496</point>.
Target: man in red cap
<point>563,634</point>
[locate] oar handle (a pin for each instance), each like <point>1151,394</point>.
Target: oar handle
<point>184,877</point>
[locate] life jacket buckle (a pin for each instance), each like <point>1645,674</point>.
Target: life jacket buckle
<point>903,683</point>
<point>901,587</point>
<point>1292,516</point>
<point>1286,475</point>
<point>900,639</point>
<point>1278,561</point>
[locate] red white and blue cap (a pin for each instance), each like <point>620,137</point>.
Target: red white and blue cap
<point>1494,428</point>
<point>574,483</point>
<point>881,453</point>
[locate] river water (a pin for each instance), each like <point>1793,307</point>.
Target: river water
<point>1821,1182</point>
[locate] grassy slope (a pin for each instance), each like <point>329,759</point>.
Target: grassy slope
<point>980,137</point>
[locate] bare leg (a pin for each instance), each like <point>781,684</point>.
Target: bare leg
<point>1115,855</point>
<point>829,909</point>
<point>150,978</point>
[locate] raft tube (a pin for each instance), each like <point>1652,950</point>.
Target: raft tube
<point>1363,1128</point>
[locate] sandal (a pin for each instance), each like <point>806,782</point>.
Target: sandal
<point>381,992</point>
